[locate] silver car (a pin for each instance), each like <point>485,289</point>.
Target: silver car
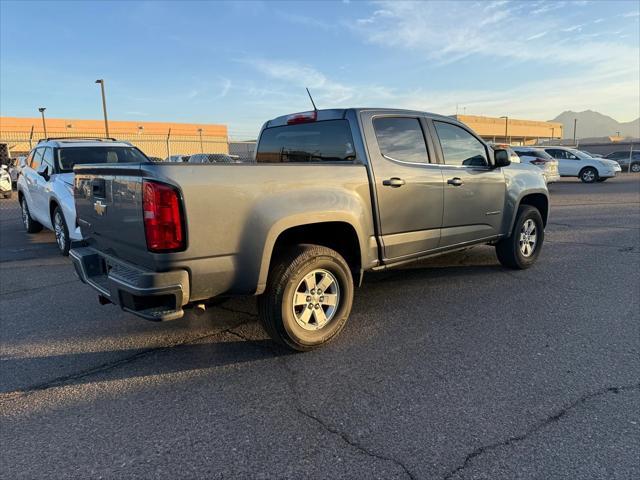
<point>575,163</point>
<point>541,159</point>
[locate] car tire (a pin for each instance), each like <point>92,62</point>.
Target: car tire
<point>635,167</point>
<point>30,225</point>
<point>511,251</point>
<point>293,310</point>
<point>61,231</point>
<point>588,175</point>
<point>8,194</point>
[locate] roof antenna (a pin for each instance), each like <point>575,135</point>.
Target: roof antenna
<point>312,102</point>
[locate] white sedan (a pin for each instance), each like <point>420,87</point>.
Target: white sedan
<point>574,163</point>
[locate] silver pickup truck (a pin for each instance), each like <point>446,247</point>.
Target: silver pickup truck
<point>330,195</point>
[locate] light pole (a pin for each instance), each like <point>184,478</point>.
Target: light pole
<point>506,129</point>
<point>201,148</point>
<point>575,123</point>
<point>44,124</point>
<point>104,107</point>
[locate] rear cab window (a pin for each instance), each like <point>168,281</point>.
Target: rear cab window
<point>313,142</point>
<point>70,156</point>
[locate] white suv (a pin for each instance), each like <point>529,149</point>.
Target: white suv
<point>45,187</point>
<point>574,163</point>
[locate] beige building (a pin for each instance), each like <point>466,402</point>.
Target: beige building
<point>512,130</point>
<point>156,139</point>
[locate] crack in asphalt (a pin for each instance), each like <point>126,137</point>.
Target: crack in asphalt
<point>325,426</point>
<point>536,427</point>
<point>108,366</point>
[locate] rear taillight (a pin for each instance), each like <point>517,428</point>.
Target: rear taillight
<point>540,161</point>
<point>162,217</point>
<point>304,117</point>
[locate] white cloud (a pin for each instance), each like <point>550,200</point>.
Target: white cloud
<point>537,35</point>
<point>632,14</point>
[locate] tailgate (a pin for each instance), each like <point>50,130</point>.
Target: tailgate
<point>109,208</point>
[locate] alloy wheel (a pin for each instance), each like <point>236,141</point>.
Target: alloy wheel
<point>58,228</point>
<point>528,238</point>
<point>316,299</point>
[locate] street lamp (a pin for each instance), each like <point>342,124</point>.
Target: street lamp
<point>201,147</point>
<point>104,107</point>
<point>44,124</point>
<point>506,129</point>
<point>575,123</point>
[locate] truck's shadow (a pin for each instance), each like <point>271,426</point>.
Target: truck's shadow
<point>220,349</point>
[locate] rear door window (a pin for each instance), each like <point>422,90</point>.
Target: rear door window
<point>326,141</point>
<point>401,139</point>
<point>459,147</point>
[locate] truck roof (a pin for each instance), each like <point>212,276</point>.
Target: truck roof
<point>338,113</point>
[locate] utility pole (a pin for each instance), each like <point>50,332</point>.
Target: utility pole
<point>506,129</point>
<point>575,123</point>
<point>104,107</point>
<point>201,148</point>
<point>44,124</point>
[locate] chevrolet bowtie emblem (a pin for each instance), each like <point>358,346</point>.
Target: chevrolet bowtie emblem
<point>99,207</point>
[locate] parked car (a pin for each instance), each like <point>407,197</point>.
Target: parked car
<point>574,163</point>
<point>332,194</point>
<point>5,182</point>
<point>212,158</point>
<point>15,166</point>
<point>177,158</point>
<point>628,160</point>
<point>541,159</point>
<point>45,187</point>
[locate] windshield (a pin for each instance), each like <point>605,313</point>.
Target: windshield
<point>70,156</point>
<point>580,154</point>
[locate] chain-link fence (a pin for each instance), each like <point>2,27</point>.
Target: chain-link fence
<point>159,147</point>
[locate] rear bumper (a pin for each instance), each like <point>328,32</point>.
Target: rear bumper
<point>151,295</point>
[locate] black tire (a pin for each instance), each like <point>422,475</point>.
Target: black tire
<point>509,250</point>
<point>8,194</point>
<point>30,225</point>
<point>276,304</point>
<point>600,180</point>
<point>635,167</point>
<point>61,231</point>
<point>588,175</point>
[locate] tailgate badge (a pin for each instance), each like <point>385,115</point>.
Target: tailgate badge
<point>99,207</point>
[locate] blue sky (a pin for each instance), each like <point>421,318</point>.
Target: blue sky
<point>242,63</point>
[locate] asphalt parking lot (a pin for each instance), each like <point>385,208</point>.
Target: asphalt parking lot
<point>453,368</point>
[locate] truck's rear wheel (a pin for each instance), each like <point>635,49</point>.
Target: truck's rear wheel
<point>308,297</point>
<point>521,249</point>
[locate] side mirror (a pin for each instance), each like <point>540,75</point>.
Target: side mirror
<point>44,173</point>
<point>501,158</point>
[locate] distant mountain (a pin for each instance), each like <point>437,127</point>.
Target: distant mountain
<point>594,124</point>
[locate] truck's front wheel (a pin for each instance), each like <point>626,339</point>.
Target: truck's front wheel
<point>521,249</point>
<point>308,297</point>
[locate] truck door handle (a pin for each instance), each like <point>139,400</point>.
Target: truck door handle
<point>393,182</point>
<point>455,181</point>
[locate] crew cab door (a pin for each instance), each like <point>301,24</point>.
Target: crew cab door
<point>408,186</point>
<point>474,192</point>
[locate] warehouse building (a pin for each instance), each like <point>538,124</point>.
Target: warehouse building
<point>156,139</point>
